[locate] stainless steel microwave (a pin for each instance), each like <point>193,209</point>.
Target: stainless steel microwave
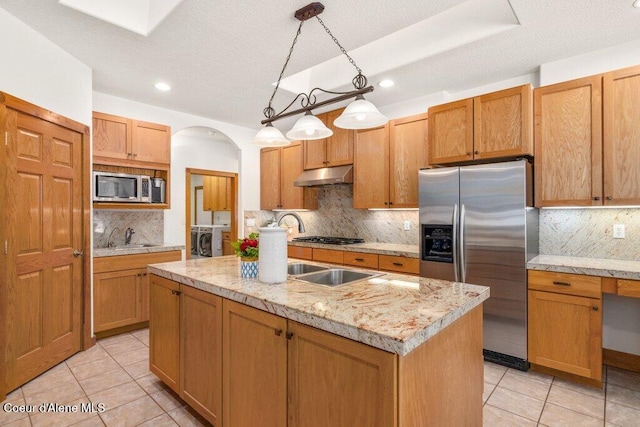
<point>121,187</point>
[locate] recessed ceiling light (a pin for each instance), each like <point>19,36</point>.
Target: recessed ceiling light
<point>389,83</point>
<point>636,4</point>
<point>162,86</point>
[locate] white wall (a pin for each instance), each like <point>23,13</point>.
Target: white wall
<point>36,70</point>
<point>247,160</point>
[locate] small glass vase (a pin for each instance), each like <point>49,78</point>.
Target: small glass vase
<point>249,267</point>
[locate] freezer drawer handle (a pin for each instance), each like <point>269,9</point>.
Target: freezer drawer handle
<point>561,283</point>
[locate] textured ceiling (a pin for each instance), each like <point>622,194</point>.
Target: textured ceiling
<point>221,58</point>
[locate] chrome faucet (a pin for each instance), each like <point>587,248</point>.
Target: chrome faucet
<point>127,235</point>
<point>300,223</point>
<point>111,243</point>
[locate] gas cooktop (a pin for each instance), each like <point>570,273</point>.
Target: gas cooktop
<point>329,240</point>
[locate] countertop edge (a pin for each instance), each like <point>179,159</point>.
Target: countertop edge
<point>620,269</point>
<point>409,251</point>
<point>107,252</point>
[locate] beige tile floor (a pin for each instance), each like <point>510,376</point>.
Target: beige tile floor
<point>115,373</point>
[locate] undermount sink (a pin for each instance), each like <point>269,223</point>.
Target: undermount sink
<point>302,268</point>
<point>335,277</point>
<point>135,246</point>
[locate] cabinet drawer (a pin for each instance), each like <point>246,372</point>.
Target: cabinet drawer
<point>629,288</point>
<point>299,252</point>
<point>400,264</point>
<point>361,259</point>
<point>328,255</point>
<point>565,283</point>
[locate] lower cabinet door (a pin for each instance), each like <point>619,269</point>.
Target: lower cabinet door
<point>201,352</point>
<point>334,381</point>
<point>565,333</point>
<point>255,367</point>
<point>164,330</point>
<point>118,299</point>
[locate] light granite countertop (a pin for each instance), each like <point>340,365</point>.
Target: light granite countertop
<point>409,251</point>
<point>620,269</point>
<point>392,312</point>
<point>104,252</point>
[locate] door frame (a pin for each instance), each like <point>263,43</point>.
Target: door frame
<point>234,202</point>
<point>86,338</point>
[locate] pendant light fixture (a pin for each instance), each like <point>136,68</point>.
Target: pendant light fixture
<point>360,114</point>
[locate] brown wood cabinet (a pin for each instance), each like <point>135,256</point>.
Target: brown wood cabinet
<point>400,264</point>
<point>494,125</point>
<point>121,290</point>
<point>361,259</point>
<point>328,255</point>
<point>279,168</point>
<point>127,142</point>
<point>227,249</point>
<point>216,193</point>
<point>336,150</point>
<point>565,324</point>
<point>185,344</point>
<point>387,160</point>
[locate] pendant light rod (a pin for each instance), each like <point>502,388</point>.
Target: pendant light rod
<point>343,96</point>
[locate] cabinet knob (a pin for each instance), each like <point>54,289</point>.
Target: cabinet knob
<point>596,198</point>
<point>278,332</point>
<point>609,198</point>
<point>594,308</point>
<point>174,292</point>
<point>476,152</point>
<point>468,153</point>
<point>289,335</point>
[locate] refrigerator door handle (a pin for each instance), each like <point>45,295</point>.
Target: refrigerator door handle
<point>454,221</point>
<point>463,266</point>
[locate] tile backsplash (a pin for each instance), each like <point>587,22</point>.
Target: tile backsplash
<point>589,233</point>
<point>336,217</point>
<point>147,224</point>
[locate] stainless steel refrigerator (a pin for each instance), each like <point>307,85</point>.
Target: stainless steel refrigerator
<point>477,226</point>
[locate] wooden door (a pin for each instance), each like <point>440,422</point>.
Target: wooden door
<point>255,373</point>
<point>334,381</point>
<point>503,123</point>
<point>451,132</point>
<point>568,143</point>
<point>371,168</point>
<point>117,299</point>
<point>407,154</point>
<point>565,333</point>
<point>291,167</point>
<point>44,221</point>
<point>164,330</point>
<point>151,142</point>
<point>201,352</point>
<point>340,144</point>
<point>621,137</point>
<point>111,137</point>
<point>270,179</point>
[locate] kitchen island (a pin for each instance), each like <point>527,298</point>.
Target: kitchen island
<point>393,350</point>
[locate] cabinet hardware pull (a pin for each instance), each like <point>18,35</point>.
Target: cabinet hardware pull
<point>174,292</point>
<point>468,153</point>
<point>278,332</point>
<point>594,308</point>
<point>561,283</point>
<point>399,264</point>
<point>289,335</point>
<point>609,198</point>
<point>360,259</point>
<point>476,152</point>
<point>596,198</point>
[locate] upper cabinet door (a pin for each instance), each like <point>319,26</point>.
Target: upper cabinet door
<point>568,143</point>
<point>503,123</point>
<point>111,136</point>
<point>621,145</point>
<point>407,154</point>
<point>371,171</point>
<point>451,132</point>
<point>270,178</point>
<point>315,153</point>
<point>151,142</point>
<point>340,144</point>
<point>292,196</point>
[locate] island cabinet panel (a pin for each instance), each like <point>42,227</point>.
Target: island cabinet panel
<point>400,264</point>
<point>300,252</point>
<point>164,331</point>
<point>565,326</point>
<point>334,381</point>
<point>453,358</point>
<point>255,367</point>
<point>201,352</point>
<point>361,259</point>
<point>568,143</point>
<point>621,137</point>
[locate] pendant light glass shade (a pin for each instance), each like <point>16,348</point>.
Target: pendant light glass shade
<point>270,137</point>
<point>360,114</point>
<point>309,127</point>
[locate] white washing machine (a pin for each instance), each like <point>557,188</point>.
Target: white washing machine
<point>209,240</point>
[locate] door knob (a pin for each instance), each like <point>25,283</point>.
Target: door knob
<point>77,253</point>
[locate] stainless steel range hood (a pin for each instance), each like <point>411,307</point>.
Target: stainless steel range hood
<point>323,176</point>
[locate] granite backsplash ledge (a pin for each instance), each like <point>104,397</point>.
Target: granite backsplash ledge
<point>589,233</point>
<point>336,217</point>
<point>148,226</point>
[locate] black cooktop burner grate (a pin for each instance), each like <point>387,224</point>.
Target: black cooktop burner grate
<point>329,240</point>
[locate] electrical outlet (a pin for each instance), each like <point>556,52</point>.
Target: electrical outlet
<point>251,222</point>
<point>618,231</point>
<point>407,225</point>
